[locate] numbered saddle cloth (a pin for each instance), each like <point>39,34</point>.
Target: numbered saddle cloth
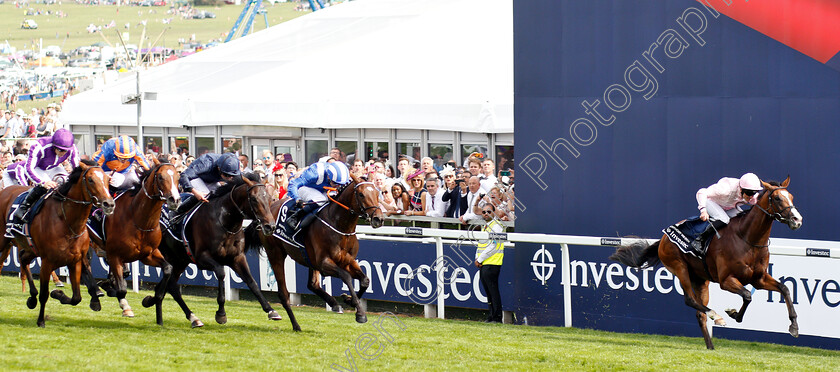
<point>684,232</point>
<point>22,227</point>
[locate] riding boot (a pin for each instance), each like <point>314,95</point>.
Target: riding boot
<point>186,205</point>
<point>37,192</point>
<point>300,218</point>
<point>711,228</point>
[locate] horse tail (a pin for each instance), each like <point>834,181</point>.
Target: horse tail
<point>252,238</point>
<point>637,254</point>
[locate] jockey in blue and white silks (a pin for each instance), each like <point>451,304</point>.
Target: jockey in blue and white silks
<point>309,187</point>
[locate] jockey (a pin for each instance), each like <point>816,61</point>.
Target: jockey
<point>723,200</point>
<point>42,165</point>
<point>118,156</point>
<point>204,175</point>
<point>309,187</point>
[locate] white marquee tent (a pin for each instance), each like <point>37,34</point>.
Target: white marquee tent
<point>419,64</point>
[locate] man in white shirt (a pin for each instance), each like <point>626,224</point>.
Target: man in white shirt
<point>487,179</point>
<point>473,197</point>
<point>435,206</point>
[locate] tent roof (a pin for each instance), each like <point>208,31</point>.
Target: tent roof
<point>419,64</point>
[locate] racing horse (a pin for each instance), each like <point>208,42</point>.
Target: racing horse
<point>215,241</point>
<point>133,232</point>
<point>738,257</point>
<point>58,233</point>
<point>330,245</point>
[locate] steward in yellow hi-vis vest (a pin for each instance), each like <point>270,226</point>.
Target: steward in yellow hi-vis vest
<point>488,258</point>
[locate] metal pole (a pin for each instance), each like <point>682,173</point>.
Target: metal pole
<point>228,296</point>
<point>139,113</point>
<point>567,286</point>
<point>135,276</point>
<point>440,273</point>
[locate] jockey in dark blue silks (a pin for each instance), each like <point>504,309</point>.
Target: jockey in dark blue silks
<point>308,188</point>
<point>204,175</point>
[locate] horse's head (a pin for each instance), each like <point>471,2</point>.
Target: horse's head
<point>95,185</point>
<point>777,202</point>
<point>161,183</point>
<point>259,203</point>
<point>366,201</point>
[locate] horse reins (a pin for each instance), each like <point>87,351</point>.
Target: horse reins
<point>62,198</point>
<point>776,216</point>
<point>159,197</point>
<point>366,215</point>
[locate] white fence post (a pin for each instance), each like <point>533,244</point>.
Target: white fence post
<point>135,276</point>
<point>567,285</point>
<point>440,273</point>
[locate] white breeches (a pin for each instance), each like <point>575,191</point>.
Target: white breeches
<point>309,194</point>
<point>717,212</point>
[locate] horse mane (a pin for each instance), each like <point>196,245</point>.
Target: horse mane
<point>229,186</point>
<point>75,176</point>
<point>145,175</point>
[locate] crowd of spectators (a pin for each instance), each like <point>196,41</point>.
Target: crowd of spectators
<point>18,129</point>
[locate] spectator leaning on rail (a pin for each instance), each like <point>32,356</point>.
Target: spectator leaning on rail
<point>42,166</point>
<point>119,155</point>
<point>488,258</point>
<point>204,175</point>
<point>308,190</point>
<point>721,201</point>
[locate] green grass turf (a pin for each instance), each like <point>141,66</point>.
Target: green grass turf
<point>70,32</point>
<point>77,338</point>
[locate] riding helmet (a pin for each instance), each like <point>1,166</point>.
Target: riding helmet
<point>62,139</point>
<point>750,181</point>
<point>338,173</point>
<point>228,164</point>
<point>125,147</point>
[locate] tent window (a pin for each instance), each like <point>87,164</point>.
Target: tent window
<point>205,144</point>
<point>315,149</point>
<point>232,144</point>
<point>504,158</point>
<point>376,150</point>
<point>153,144</point>
<point>179,145</point>
<point>100,140</point>
<point>440,153</point>
<point>466,150</point>
<point>348,150</point>
<point>411,150</point>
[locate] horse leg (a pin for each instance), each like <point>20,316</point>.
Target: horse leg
<point>701,288</point>
<point>680,270</point>
<point>156,259</point>
<point>175,291</point>
<point>277,264</point>
<point>770,283</point>
<point>314,285</point>
<point>120,286</point>
<point>75,276</point>
<point>331,268</point>
<point>25,259</point>
<point>93,289</point>
<point>240,267</point>
<point>46,268</point>
<point>732,284</point>
<point>357,273</point>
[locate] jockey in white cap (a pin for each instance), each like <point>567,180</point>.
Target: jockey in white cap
<point>723,200</point>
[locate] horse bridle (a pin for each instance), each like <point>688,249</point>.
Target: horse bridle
<point>62,198</point>
<point>367,216</point>
<point>250,205</point>
<point>160,195</point>
<point>777,215</point>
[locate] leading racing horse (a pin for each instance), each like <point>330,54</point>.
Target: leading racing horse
<point>133,232</point>
<point>739,257</point>
<point>330,245</point>
<point>215,240</point>
<point>58,232</point>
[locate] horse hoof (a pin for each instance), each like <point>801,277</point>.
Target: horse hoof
<point>57,294</point>
<point>221,319</point>
<point>720,322</point>
<point>128,313</point>
<point>347,299</point>
<point>272,315</point>
<point>95,306</point>
<point>338,309</point>
<point>197,324</point>
<point>794,330</point>
<point>99,293</point>
<point>733,314</point>
<point>31,302</point>
<point>41,324</point>
<point>361,318</point>
<point>149,301</point>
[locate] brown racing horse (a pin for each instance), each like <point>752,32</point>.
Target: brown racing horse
<point>58,232</point>
<point>215,236</point>
<point>739,257</point>
<point>133,232</point>
<point>331,246</point>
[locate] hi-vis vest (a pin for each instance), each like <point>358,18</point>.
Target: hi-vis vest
<point>498,246</point>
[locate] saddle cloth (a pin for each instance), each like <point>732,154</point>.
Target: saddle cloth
<point>285,232</point>
<point>27,219</point>
<point>684,232</point>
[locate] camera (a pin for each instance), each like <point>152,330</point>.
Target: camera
<point>504,173</point>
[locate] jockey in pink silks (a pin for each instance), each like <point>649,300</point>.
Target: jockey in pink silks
<point>723,200</point>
